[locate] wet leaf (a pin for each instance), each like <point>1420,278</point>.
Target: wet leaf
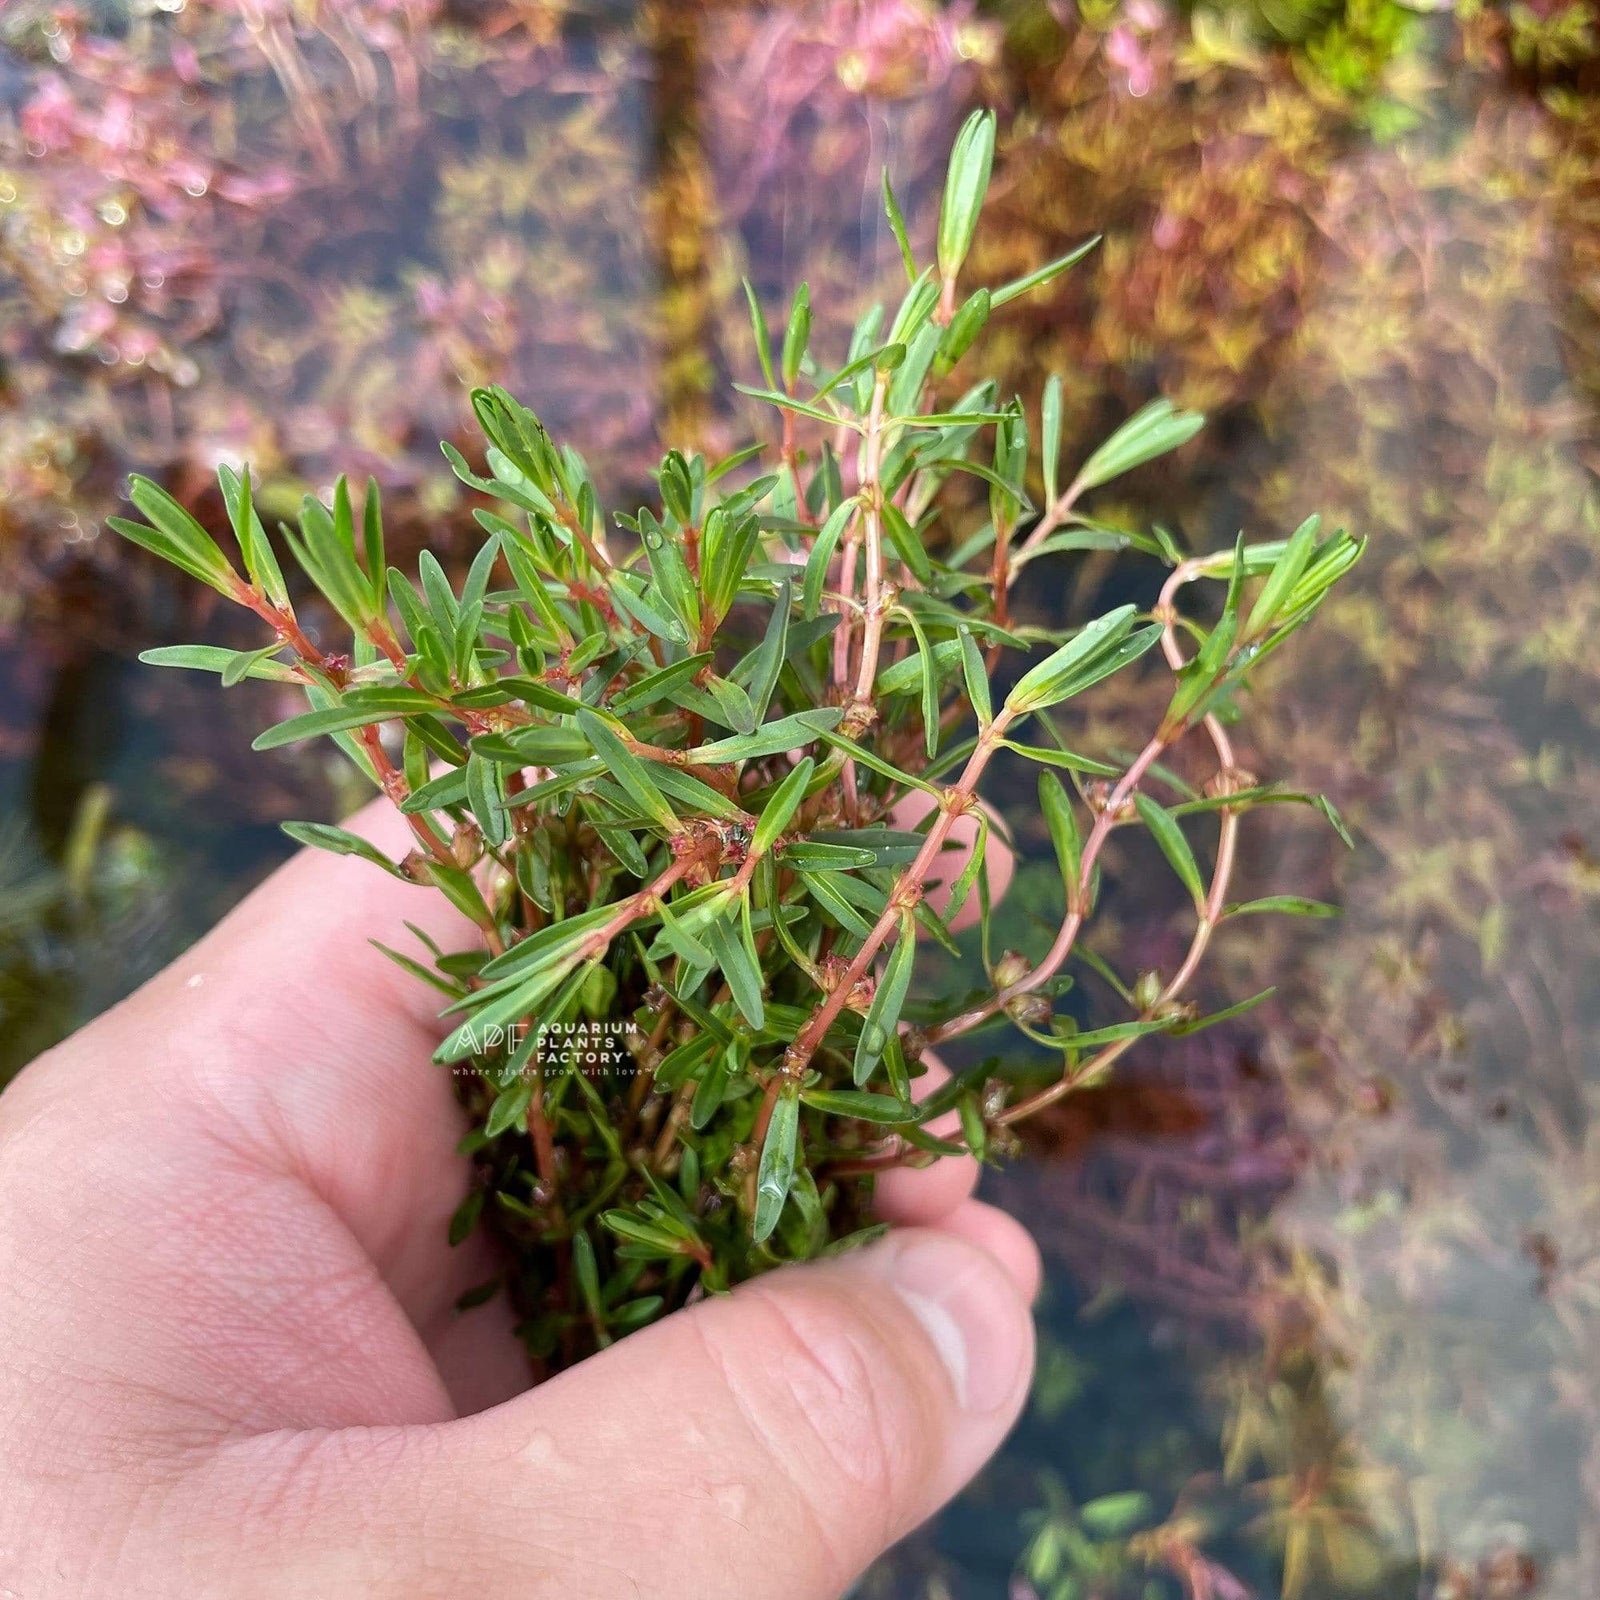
<point>883,1015</point>
<point>1148,433</point>
<point>779,1150</point>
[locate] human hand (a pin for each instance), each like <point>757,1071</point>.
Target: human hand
<point>230,1363</point>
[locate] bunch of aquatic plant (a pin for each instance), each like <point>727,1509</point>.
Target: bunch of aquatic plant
<point>1111,1545</point>
<point>663,762</point>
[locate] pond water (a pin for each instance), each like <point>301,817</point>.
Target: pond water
<point>1324,1303</point>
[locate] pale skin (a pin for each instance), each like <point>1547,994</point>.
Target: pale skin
<point>230,1364</point>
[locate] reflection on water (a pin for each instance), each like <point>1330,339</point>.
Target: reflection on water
<point>1324,1285</point>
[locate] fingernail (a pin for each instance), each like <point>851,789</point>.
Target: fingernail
<point>968,1307</point>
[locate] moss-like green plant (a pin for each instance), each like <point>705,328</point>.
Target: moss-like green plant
<point>661,763</point>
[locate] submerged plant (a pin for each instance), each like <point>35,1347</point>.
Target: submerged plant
<point>665,772</point>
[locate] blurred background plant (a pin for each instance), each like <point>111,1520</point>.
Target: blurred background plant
<point>69,921</point>
<point>1337,1263</point>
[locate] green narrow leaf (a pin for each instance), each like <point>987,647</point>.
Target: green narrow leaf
<point>802,408</point>
<point>339,842</point>
<point>822,889</point>
<point>1335,821</point>
<point>962,887</point>
<point>907,543</point>
<point>770,739</point>
<point>727,550</point>
<point>325,549</point>
<point>710,1091</point>
<point>759,670</point>
<point>1150,432</point>
<point>628,770</point>
<point>930,686</point>
<point>461,890</point>
<point>725,702</point>
<point>669,567</point>
<point>239,668</point>
<point>911,326</point>
<point>966,183</point>
<point>973,1130</point>
<point>680,786</point>
<point>465,1217</point>
<point>587,1272</point>
<point>418,970</point>
<point>779,1151</point>
<point>905,676</point>
<point>883,1015</point>
<point>1117,1515</point>
<point>737,459</point>
<point>964,328</point>
<point>1056,805</point>
<point>873,762</point>
<point>1290,905</point>
<point>469,619</point>
<point>1169,835</point>
<point>1056,677</point>
<point>486,796</point>
<point>897,226</point>
<point>176,537</point>
<point>436,590</point>
<point>884,358</point>
<point>729,937</point>
<point>1068,760</point>
<point>448,789</point>
<point>763,339</point>
<point>530,691</point>
<point>821,557</point>
<point>213,658</point>
<point>372,542</point>
<point>1282,579</point>
<point>658,685</point>
<point>780,809</point>
<point>1237,1009</point>
<point>359,709</point>
<point>976,676</point>
<point>796,336</point>
<point>1050,437</point>
<point>254,548</point>
<point>1050,271</point>
<point>509,1107</point>
<point>860,1105</point>
<point>680,941</point>
<point>814,857</point>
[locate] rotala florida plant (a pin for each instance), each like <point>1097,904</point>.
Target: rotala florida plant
<point>659,769</point>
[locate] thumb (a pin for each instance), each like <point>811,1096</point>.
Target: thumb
<point>773,1442</point>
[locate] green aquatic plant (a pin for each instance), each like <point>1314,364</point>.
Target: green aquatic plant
<point>1112,1546</point>
<point>670,766</point>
